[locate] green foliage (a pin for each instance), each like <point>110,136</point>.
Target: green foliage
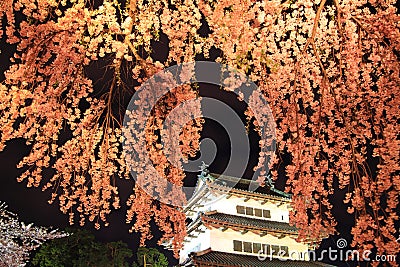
<point>153,257</point>
<point>80,249</point>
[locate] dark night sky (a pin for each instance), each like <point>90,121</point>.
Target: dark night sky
<point>31,204</point>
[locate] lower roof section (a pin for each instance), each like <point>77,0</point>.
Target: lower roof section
<point>223,259</point>
<point>217,218</point>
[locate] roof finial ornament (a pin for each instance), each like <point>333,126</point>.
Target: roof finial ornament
<point>269,182</point>
<point>204,175</point>
<point>204,171</point>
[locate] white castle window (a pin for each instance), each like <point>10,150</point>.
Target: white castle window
<point>253,211</point>
<point>267,249</point>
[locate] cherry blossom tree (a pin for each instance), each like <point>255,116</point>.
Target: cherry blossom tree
<point>17,239</point>
<point>329,69</point>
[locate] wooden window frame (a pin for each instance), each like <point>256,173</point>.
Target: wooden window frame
<point>235,242</point>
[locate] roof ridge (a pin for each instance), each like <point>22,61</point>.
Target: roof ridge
<point>239,180</point>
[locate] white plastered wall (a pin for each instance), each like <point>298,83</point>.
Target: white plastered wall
<point>223,241</point>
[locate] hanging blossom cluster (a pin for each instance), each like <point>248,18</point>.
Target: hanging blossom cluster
<point>329,69</point>
<point>138,157</point>
<point>49,100</point>
<point>17,239</point>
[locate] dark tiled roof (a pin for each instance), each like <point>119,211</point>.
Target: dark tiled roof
<point>235,186</point>
<point>247,185</point>
<point>230,259</point>
<point>247,222</point>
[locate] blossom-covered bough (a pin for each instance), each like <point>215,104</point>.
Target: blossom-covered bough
<point>18,240</point>
<point>329,69</point>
